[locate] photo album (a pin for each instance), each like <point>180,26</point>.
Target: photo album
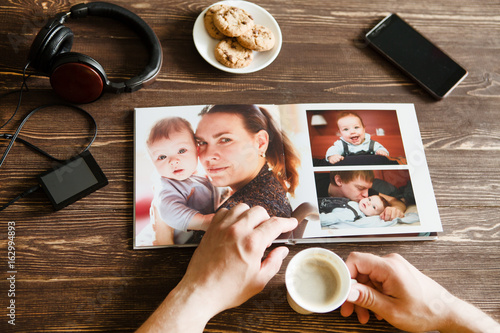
<point>347,172</point>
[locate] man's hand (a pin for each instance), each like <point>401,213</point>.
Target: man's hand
<point>390,213</point>
<point>226,269</point>
<point>406,298</point>
<point>395,209</point>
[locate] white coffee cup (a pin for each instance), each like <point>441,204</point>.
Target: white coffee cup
<point>317,281</point>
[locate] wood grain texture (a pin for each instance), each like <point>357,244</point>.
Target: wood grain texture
<point>76,267</point>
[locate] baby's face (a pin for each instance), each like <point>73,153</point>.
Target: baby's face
<point>351,130</point>
<point>175,157</point>
<point>371,206</point>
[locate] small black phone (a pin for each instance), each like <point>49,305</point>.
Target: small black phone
<point>415,55</point>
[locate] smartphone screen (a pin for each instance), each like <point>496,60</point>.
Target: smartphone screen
<point>416,56</point>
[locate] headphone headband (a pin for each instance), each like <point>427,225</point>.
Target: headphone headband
<point>104,9</point>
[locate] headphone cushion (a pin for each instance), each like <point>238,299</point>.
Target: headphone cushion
<point>59,41</point>
<point>77,77</point>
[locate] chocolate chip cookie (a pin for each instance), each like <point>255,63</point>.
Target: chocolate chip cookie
<point>208,20</point>
<point>233,21</point>
<point>259,38</point>
<point>231,54</point>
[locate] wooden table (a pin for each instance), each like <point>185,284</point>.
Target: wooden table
<point>76,269</point>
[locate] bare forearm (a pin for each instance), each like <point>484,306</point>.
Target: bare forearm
<point>396,203</point>
<point>181,311</point>
<point>465,317</point>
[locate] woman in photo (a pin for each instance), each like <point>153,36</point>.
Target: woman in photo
<point>241,147</point>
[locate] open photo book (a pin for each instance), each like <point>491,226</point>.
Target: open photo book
<point>346,172</point>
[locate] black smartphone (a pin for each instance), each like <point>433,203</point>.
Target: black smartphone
<point>415,55</point>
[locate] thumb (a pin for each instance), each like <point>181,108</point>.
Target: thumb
<point>272,264</point>
<point>369,298</point>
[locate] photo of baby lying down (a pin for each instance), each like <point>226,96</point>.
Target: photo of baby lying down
<point>365,214</point>
<point>362,198</point>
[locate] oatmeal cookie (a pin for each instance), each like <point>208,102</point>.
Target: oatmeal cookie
<point>233,22</point>
<point>231,54</point>
<point>208,20</point>
<point>259,38</point>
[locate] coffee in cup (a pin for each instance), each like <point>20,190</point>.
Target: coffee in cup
<point>317,281</point>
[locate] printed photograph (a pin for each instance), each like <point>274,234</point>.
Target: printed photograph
<point>211,157</point>
<point>355,137</point>
<point>365,199</point>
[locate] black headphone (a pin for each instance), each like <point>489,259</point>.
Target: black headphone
<point>77,77</point>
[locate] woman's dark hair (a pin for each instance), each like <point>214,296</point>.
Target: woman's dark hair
<point>280,154</point>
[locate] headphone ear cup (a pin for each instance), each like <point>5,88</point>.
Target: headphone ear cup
<point>77,77</point>
<point>58,40</point>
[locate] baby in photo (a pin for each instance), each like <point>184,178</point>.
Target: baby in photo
<point>184,200</point>
<point>346,210</point>
<point>354,140</point>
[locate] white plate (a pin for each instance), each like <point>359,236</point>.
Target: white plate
<point>205,44</point>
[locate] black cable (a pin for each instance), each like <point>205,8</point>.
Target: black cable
<point>23,85</point>
<point>20,196</point>
<point>30,145</point>
<point>14,137</point>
